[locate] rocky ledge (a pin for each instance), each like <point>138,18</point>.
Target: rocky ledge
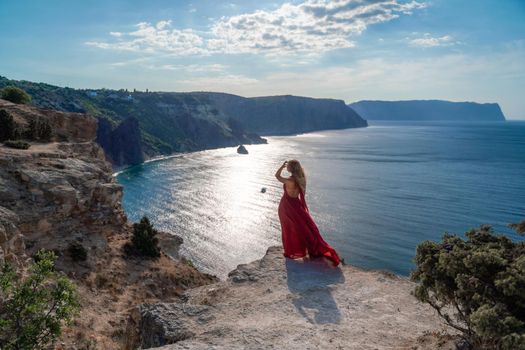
<point>277,303</point>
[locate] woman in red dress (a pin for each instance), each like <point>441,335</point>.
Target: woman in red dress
<point>300,234</point>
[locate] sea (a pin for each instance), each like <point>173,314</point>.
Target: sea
<point>375,193</point>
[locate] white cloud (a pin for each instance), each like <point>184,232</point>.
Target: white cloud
<point>163,24</point>
<point>310,27</point>
<point>494,77</point>
<point>428,41</point>
<point>191,68</point>
<point>226,82</point>
<point>155,38</point>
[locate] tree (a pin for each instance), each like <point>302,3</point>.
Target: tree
<point>476,285</point>
<point>15,95</point>
<point>33,309</point>
<point>7,126</point>
<point>144,241</point>
<point>39,129</point>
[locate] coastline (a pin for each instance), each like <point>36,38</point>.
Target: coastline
<point>119,170</point>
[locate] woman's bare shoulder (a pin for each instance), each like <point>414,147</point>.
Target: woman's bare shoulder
<point>289,179</point>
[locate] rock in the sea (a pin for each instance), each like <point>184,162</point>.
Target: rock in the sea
<point>242,150</point>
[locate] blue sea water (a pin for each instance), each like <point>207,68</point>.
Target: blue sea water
<point>374,192</point>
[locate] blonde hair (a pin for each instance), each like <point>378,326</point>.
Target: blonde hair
<point>297,171</point>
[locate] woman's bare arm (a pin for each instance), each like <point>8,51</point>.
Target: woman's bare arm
<point>279,176</point>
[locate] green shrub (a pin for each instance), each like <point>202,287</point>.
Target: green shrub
<point>476,285</point>
<point>77,252</point>
<point>34,308</point>
<point>18,144</point>
<point>39,129</point>
<point>144,241</point>
<point>15,95</point>
<point>7,126</point>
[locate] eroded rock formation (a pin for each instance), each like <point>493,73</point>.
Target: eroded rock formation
<point>62,192</point>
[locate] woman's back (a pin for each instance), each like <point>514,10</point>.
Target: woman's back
<point>292,188</point>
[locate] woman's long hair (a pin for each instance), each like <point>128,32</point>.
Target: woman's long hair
<point>297,171</point>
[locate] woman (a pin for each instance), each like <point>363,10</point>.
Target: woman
<point>300,234</point>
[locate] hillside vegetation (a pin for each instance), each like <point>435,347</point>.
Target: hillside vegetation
<point>168,122</point>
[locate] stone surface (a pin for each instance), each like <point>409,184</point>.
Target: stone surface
<point>276,303</point>
<point>12,245</point>
<point>57,188</point>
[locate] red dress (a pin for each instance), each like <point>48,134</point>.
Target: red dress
<point>299,232</point>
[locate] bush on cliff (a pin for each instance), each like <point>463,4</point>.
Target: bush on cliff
<point>39,130</point>
<point>476,285</point>
<point>18,144</point>
<point>33,308</point>
<point>144,242</point>
<point>77,252</point>
<point>7,126</point>
<point>15,95</point>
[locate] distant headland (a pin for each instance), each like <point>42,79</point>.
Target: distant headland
<point>428,110</point>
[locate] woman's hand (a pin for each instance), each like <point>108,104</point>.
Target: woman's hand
<point>278,173</point>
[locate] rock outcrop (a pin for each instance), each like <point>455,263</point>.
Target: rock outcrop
<point>275,303</point>
<point>58,188</point>
<point>59,193</point>
<point>66,127</point>
<point>122,144</point>
<point>12,245</point>
<point>423,110</point>
<point>242,150</point>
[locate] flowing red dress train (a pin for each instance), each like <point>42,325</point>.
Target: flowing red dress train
<point>299,232</point>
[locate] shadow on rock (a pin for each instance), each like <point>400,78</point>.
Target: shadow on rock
<point>311,281</point>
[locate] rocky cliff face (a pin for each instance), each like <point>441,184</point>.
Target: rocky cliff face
<point>275,303</point>
<point>58,187</point>
<point>428,110</point>
<point>285,115</point>
<point>122,144</point>
<point>62,192</point>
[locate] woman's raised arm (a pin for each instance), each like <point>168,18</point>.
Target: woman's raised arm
<point>278,174</point>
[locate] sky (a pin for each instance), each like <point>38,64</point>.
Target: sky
<point>458,50</point>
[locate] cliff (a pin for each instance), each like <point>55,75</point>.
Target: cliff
<point>285,115</point>
<point>61,192</point>
<point>123,143</point>
<point>177,122</point>
<point>428,110</point>
<point>167,122</point>
<point>275,303</point>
